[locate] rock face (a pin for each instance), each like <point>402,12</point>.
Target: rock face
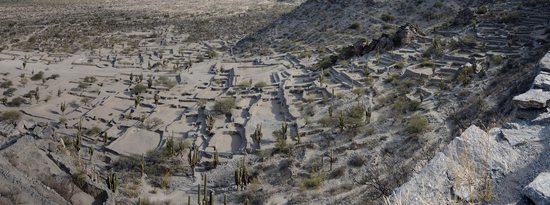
<point>532,99</point>
<point>460,171</point>
<point>539,190</point>
<point>517,134</point>
<point>405,35</point>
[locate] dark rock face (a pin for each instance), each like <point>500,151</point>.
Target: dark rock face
<point>405,35</point>
<point>464,17</point>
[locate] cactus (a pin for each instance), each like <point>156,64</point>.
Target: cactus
<point>78,142</point>
<point>91,153</point>
<point>237,178</point>
<point>257,136</point>
<point>242,176</point>
<point>156,98</point>
<point>205,189</point>
<point>112,182</point>
<point>367,115</point>
<point>199,193</point>
<point>331,158</point>
<point>63,107</point>
<point>142,165</point>
<point>193,158</point>
<point>137,101</point>
<point>58,92</point>
<point>330,110</point>
<point>105,138</point>
<point>149,82</point>
<point>131,77</point>
<point>171,147</point>
<point>216,158</point>
<point>188,200</point>
<point>210,123</point>
<point>341,122</point>
<point>284,129</point>
<point>321,77</point>
<point>224,199</point>
<point>211,198</point>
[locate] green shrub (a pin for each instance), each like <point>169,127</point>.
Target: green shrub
<point>17,101</point>
<point>314,181</point>
<point>354,26</point>
<point>260,84</point>
<point>498,59</point>
<point>387,17</point>
<point>9,92</point>
<point>140,88</point>
<point>12,116</point>
<point>6,84</point>
<point>417,125</point>
<point>38,76</point>
<point>224,106</point>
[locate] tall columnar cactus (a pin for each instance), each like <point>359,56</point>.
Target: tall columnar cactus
<point>331,158</point>
<point>330,110</point>
<point>224,199</point>
<point>257,136</point>
<point>142,165</point>
<point>171,146</point>
<point>78,142</point>
<point>205,191</point>
<point>131,77</point>
<point>210,123</point>
<point>238,178</point>
<point>367,115</point>
<point>156,98</point>
<point>321,77</point>
<point>188,200</point>
<point>216,160</point>
<point>105,139</point>
<point>58,92</point>
<point>199,193</point>
<point>63,107</point>
<point>91,153</point>
<point>137,101</point>
<point>150,82</point>
<point>193,158</point>
<point>211,198</point>
<point>284,129</point>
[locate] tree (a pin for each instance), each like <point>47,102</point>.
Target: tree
<point>224,106</point>
<point>139,88</point>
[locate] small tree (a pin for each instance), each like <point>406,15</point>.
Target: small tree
<point>224,106</point>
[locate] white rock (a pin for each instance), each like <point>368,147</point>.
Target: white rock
<point>539,189</point>
<point>534,98</point>
<point>542,81</point>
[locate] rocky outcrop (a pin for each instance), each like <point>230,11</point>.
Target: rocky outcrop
<point>532,99</point>
<point>405,35</point>
<point>539,96</point>
<point>517,134</point>
<point>462,170</point>
<point>539,190</point>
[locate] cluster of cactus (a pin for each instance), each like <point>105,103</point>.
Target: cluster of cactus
<point>257,136</point>
<point>193,158</point>
<point>242,177</point>
<point>204,200</point>
<point>112,182</point>
<point>284,129</point>
<point>210,123</point>
<point>216,160</point>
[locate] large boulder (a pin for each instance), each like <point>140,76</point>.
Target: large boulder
<point>545,63</point>
<point>532,99</point>
<point>517,134</point>
<point>539,190</point>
